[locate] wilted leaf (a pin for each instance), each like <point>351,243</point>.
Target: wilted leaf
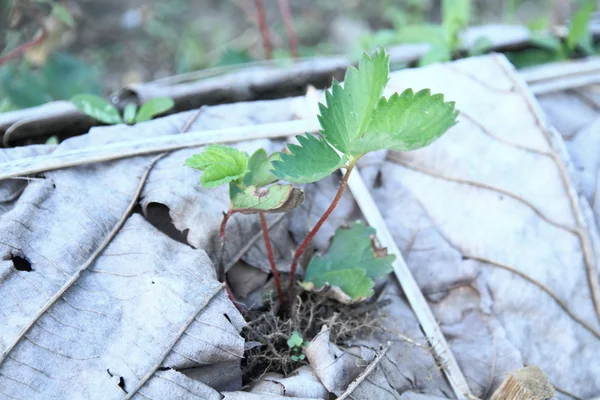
<point>310,161</point>
<point>220,164</point>
<point>350,264</point>
<point>97,108</point>
<point>407,121</point>
<point>275,198</point>
<point>154,107</point>
<point>260,169</point>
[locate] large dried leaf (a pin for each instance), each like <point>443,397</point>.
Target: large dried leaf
<point>82,320</point>
<point>490,220</point>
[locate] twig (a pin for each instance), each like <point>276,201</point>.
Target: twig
<point>413,293</point>
<point>264,28</point>
<point>286,14</point>
<point>355,383</point>
<point>22,49</point>
<point>115,151</point>
<point>265,229</point>
<point>316,228</point>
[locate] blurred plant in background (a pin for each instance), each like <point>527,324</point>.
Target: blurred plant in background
<point>54,49</point>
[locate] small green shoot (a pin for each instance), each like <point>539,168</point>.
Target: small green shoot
<point>296,343</point>
<point>350,265</point>
<point>355,120</point>
<point>103,111</point>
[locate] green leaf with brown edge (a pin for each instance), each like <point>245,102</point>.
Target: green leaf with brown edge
<point>311,161</point>
<point>97,108</point>
<point>407,121</point>
<point>350,264</point>
<point>220,164</point>
<point>275,198</point>
<point>154,107</point>
<point>260,167</point>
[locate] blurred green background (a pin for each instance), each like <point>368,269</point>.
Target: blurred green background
<point>92,46</point>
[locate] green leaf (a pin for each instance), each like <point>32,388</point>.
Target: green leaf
<point>407,121</point>
<point>579,29</point>
<point>455,16</point>
<point>220,164</point>
<point>308,162</point>
<point>260,169</point>
<point>481,46</point>
<point>275,198</point>
<point>437,53</point>
<point>63,14</point>
<point>154,107</point>
<point>53,140</point>
<point>129,113</point>
<point>295,340</point>
<point>348,109</point>
<point>295,357</point>
<point>545,41</point>
<point>350,264</point>
<point>97,108</point>
<point>427,33</point>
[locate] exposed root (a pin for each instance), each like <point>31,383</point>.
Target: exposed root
<point>270,331</point>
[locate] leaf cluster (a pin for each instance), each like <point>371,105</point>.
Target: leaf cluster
<point>103,111</point>
<point>355,119</point>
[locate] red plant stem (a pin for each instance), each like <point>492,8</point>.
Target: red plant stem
<point>286,14</point>
<point>264,29</point>
<point>18,51</point>
<point>220,265</point>
<point>316,228</point>
<point>265,229</point>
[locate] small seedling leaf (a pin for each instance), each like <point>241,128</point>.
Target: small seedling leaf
<point>295,357</point>
<point>63,14</point>
<point>308,162</point>
<point>129,113</point>
<point>579,29</point>
<point>455,15</point>
<point>275,198</point>
<point>407,121</point>
<point>154,107</point>
<point>350,264</point>
<point>97,108</point>
<point>261,169</point>
<point>436,54</point>
<point>53,140</point>
<point>348,109</point>
<point>295,340</point>
<point>220,165</point>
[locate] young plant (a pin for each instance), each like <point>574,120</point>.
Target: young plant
<point>549,48</point>
<point>297,344</point>
<point>103,111</point>
<point>355,120</point>
<point>252,190</point>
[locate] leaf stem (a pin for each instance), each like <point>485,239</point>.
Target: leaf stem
<point>286,13</point>
<point>317,226</point>
<point>220,265</point>
<point>265,229</point>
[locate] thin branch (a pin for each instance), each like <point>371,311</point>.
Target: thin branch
<point>286,14</point>
<point>222,231</point>
<point>316,228</point>
<point>265,229</point>
<point>264,28</point>
<point>22,49</point>
<point>356,383</point>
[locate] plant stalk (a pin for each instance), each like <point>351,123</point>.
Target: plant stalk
<point>316,228</point>
<point>220,265</point>
<point>265,230</point>
<point>264,28</point>
<point>286,14</point>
